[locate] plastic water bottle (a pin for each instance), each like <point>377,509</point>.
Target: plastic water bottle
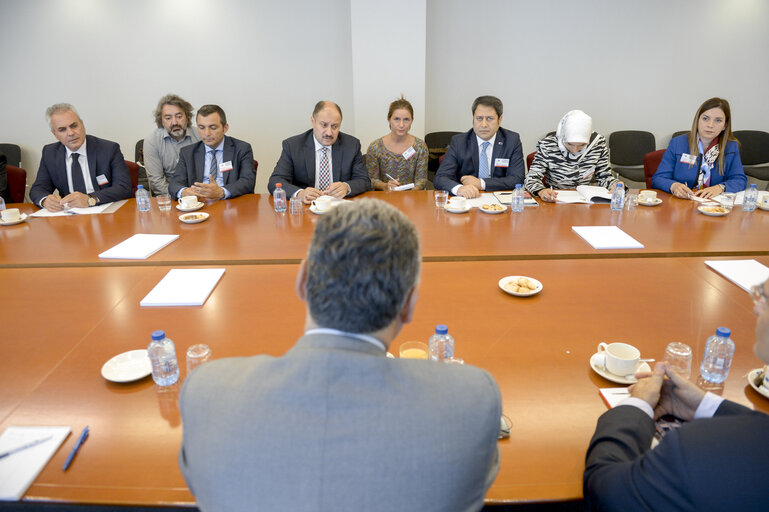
<point>517,204</point>
<point>716,360</point>
<point>618,197</point>
<point>279,198</point>
<point>750,198</point>
<point>441,344</point>
<point>142,199</point>
<point>165,367</point>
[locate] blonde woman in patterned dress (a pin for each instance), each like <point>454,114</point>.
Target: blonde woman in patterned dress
<point>398,154</point>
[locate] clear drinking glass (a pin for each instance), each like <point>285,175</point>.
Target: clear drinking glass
<point>441,196</point>
<point>197,355</point>
<point>164,202</point>
<point>679,355</point>
<point>295,206</point>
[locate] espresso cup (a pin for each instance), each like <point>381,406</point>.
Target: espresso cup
<point>10,215</point>
<point>619,358</point>
<point>647,196</point>
<point>188,201</point>
<point>457,203</point>
<point>323,203</point>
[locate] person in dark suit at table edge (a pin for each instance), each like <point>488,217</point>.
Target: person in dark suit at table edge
<point>84,169</point>
<point>322,160</point>
<point>715,462</point>
<point>230,161</point>
<point>487,157</point>
<point>334,424</point>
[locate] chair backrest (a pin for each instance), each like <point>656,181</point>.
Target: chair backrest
<point>628,147</point>
<point>439,140</point>
<point>133,171</point>
<point>17,183</point>
<point>754,146</point>
<point>256,165</point>
<point>12,154</point>
<point>139,151</point>
<point>676,134</point>
<point>651,162</point>
<point>529,160</point>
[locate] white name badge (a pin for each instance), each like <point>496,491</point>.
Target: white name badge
<point>502,162</point>
<point>688,159</point>
<point>101,179</point>
<point>225,166</point>
<point>409,153</point>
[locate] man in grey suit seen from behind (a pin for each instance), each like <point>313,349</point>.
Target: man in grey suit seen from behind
<point>334,424</point>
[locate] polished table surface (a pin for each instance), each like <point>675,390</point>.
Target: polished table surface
<point>246,230</point>
<point>537,348</point>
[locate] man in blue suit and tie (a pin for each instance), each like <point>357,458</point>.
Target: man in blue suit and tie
<point>85,170</point>
<point>216,167</point>
<point>487,157</point>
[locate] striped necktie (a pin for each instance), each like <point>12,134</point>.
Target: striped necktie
<point>483,167</point>
<point>324,178</point>
<point>213,169</point>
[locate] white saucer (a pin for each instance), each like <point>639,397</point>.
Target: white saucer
<point>457,210</point>
<point>505,280</point>
<point>752,375</point>
<point>494,212</point>
<point>314,210</point>
<point>192,209</point>
<point>192,218</point>
<point>656,201</point>
<point>127,367</point>
<point>702,210</point>
<point>21,219</point>
<point>595,364</point>
<point>763,207</point>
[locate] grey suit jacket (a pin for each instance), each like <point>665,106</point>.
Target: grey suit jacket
<point>334,425</point>
<point>191,167</point>
<point>296,166</point>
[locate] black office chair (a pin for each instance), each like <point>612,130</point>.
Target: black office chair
<point>626,153</point>
<point>437,144</point>
<point>754,152</point>
<point>139,159</point>
<point>676,134</point>
<point>12,154</point>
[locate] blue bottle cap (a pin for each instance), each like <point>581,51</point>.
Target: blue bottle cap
<point>753,185</point>
<point>724,332</point>
<point>158,335</point>
<point>518,185</point>
<point>139,186</point>
<point>441,329</point>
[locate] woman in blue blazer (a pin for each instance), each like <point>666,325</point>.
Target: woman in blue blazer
<point>706,162</point>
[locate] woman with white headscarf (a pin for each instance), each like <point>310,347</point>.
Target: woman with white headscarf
<point>574,155</point>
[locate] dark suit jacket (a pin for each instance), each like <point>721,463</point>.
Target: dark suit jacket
<point>238,181</point>
<point>296,166</point>
<point>104,157</point>
<point>708,464</point>
<point>462,159</point>
<point>4,179</point>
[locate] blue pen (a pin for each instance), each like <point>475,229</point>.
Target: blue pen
<point>71,456</point>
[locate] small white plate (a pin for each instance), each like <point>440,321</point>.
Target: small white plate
<point>457,210</point>
<point>127,367</point>
<point>314,210</point>
<point>193,218</point>
<point>21,219</point>
<point>706,210</point>
<point>656,201</point>
<point>493,212</point>
<point>191,209</point>
<point>752,376</point>
<point>595,364</point>
<point>505,280</point>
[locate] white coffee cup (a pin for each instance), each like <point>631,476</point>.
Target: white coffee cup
<point>620,358</point>
<point>457,203</point>
<point>188,201</point>
<point>647,196</point>
<point>765,201</point>
<point>323,203</point>
<point>10,215</point>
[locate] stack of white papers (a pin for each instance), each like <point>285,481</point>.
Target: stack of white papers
<point>138,247</point>
<point>743,273</point>
<point>184,287</point>
<point>607,237</point>
<point>18,470</point>
<point>92,210</point>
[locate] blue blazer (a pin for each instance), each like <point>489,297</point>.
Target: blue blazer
<point>673,170</point>
<point>104,158</point>
<point>192,159</point>
<point>296,166</point>
<point>462,159</point>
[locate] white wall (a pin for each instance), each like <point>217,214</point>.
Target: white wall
<point>643,65</point>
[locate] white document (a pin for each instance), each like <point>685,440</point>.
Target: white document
<point>584,194</point>
<point>607,237</point>
<point>18,470</point>
<point>614,396</point>
<point>184,287</point>
<point>743,273</point>
<point>138,247</point>
<point>484,198</point>
<point>407,186</point>
<point>92,210</point>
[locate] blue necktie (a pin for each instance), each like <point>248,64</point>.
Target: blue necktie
<point>483,168</point>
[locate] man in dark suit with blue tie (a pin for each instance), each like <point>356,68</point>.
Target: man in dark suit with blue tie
<point>321,161</point>
<point>487,157</point>
<point>86,170</point>
<point>216,167</point>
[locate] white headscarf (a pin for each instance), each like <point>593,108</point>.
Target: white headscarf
<point>575,127</point>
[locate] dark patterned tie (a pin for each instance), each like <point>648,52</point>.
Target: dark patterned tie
<point>78,183</point>
<point>324,178</point>
<point>483,167</point>
<point>213,170</point>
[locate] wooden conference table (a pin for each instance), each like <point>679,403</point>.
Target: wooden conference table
<point>64,323</point>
